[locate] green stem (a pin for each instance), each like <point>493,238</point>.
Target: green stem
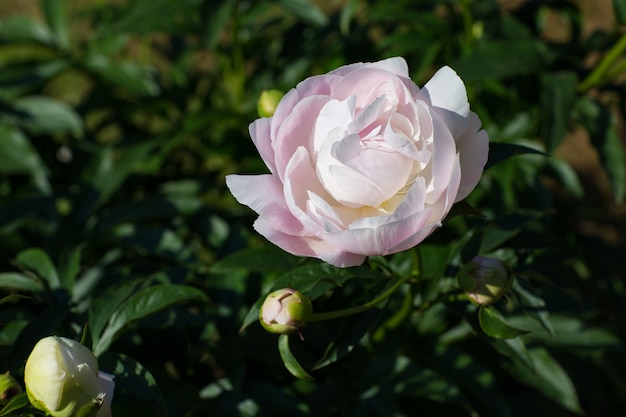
<point>597,75</point>
<point>363,307</point>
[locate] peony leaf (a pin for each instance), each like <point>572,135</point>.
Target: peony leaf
<point>56,17</point>
<point>49,116</point>
<point>17,402</point>
<point>291,363</point>
<point>550,379</point>
<point>11,297</point>
<point>18,155</point>
<point>133,377</point>
<point>558,91</point>
<point>265,259</point>
<point>142,304</point>
<point>494,325</point>
<point>619,8</point>
<point>19,282</point>
<point>499,152</point>
<point>38,261</point>
<point>305,10</point>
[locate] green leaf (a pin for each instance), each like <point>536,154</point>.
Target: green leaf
<point>534,306</point>
<point>47,115</point>
<point>107,171</point>
<point>253,315</point>
<point>265,259</point>
<point>291,363</point>
<point>499,152</point>
<point>37,328</point>
<point>56,17</point>
<point>126,76</point>
<point>315,279</point>
<point>494,325</point>
<point>352,331</point>
<point>215,15</point>
<point>502,59</point>
<point>19,156</point>
<point>305,10</point>
<point>566,175</point>
<point>514,349</point>
<point>19,282</point>
<point>12,297</point>
<point>133,377</point>
<point>38,261</point>
<point>570,333</point>
<point>550,379</point>
<point>619,8</point>
<point>142,304</point>
<point>105,305</point>
<point>22,28</point>
<point>69,267</point>
<point>603,128</point>
<point>17,402</point>
<point>558,91</point>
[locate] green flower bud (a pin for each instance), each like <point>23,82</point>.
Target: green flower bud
<point>285,311</point>
<point>62,379</point>
<point>8,388</point>
<point>268,101</point>
<point>485,280</point>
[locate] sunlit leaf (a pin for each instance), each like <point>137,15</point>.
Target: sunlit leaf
<point>20,282</point>
<point>22,28</point>
<point>49,116</point>
<point>56,17</point>
<point>38,261</point>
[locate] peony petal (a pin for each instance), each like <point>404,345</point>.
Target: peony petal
<point>396,65</point>
<point>444,157</point>
<point>445,91</point>
<point>473,148</point>
<point>297,130</point>
<point>320,85</point>
<point>379,240</point>
<point>260,134</point>
<point>264,194</point>
<point>308,246</point>
<point>301,179</point>
<point>369,83</point>
<point>332,122</point>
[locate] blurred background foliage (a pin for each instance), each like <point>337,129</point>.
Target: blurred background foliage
<point>119,120</point>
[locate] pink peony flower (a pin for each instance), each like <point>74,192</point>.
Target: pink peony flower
<point>363,162</point>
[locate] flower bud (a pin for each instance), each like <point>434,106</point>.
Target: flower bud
<point>8,388</point>
<point>268,101</point>
<point>285,311</point>
<point>62,379</point>
<point>485,280</point>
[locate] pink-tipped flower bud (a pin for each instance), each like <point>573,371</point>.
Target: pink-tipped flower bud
<point>268,101</point>
<point>285,311</point>
<point>8,388</point>
<point>485,280</point>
